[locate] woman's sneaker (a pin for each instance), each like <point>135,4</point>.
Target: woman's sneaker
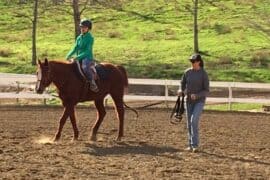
<point>195,150</point>
<point>188,149</point>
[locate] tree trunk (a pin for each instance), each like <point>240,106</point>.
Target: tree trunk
<point>34,28</point>
<point>195,30</point>
<point>76,16</point>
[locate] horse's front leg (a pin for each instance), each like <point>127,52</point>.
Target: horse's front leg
<point>68,111</point>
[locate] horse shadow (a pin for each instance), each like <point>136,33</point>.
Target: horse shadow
<point>122,148</point>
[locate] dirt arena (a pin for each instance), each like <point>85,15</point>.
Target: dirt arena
<point>233,146</point>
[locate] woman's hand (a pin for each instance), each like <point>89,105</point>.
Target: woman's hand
<point>180,93</point>
<point>193,96</point>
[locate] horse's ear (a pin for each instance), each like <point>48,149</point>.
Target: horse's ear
<point>46,62</point>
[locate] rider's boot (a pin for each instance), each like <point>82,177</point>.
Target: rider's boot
<point>93,86</point>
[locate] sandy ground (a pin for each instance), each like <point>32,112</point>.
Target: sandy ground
<point>233,146</point>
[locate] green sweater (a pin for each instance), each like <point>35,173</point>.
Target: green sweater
<point>83,47</point>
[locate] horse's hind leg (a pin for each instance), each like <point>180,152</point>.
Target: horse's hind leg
<point>119,105</point>
<point>100,116</point>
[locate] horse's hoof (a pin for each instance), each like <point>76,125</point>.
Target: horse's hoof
<point>93,138</point>
<point>55,139</point>
<point>74,139</point>
<point>118,139</point>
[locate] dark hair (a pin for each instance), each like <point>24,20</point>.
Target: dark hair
<point>201,63</point>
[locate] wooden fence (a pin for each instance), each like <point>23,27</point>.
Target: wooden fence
<point>28,81</point>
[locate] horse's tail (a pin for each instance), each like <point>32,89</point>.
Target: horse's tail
<point>124,73</point>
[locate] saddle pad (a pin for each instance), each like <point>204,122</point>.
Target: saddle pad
<point>102,72</point>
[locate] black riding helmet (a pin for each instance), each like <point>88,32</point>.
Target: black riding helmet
<point>86,23</point>
<point>196,57</point>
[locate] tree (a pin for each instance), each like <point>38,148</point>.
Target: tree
<point>77,9</point>
<point>34,32</point>
<point>24,12</point>
<point>33,18</point>
<point>79,6</point>
<point>76,17</point>
<point>195,27</point>
<point>193,10</point>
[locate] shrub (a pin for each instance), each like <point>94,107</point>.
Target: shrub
<point>225,60</point>
<point>5,52</point>
<point>222,29</point>
<point>114,34</point>
<point>260,59</point>
<point>170,34</point>
<point>149,36</point>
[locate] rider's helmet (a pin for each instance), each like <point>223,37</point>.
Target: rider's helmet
<point>86,23</point>
<point>195,57</point>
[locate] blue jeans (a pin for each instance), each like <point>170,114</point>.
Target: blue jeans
<point>86,63</point>
<point>193,111</point>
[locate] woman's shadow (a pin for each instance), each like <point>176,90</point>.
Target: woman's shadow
<point>131,147</point>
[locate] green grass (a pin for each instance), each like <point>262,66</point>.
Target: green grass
<point>152,39</point>
<point>235,107</point>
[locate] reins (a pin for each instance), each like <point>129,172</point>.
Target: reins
<point>178,110</point>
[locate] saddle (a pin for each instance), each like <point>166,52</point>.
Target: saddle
<point>99,72</point>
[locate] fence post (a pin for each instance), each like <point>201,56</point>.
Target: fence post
<point>166,92</point>
<point>17,91</point>
<point>230,96</point>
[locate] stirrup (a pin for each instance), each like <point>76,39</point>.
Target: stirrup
<point>93,86</point>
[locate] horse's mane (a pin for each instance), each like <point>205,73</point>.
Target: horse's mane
<point>58,66</point>
<point>59,62</point>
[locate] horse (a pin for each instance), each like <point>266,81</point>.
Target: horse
<point>72,89</point>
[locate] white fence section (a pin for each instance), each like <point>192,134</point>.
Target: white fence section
<point>18,81</point>
<point>230,85</point>
<point>28,81</point>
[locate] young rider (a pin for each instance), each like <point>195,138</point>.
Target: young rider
<point>83,49</point>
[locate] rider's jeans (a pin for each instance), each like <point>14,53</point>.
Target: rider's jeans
<point>86,63</point>
<point>194,111</point>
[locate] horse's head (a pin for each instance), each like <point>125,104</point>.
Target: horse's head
<point>43,76</point>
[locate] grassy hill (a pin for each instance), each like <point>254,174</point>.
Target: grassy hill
<point>151,38</point>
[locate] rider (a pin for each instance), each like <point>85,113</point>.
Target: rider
<point>84,50</point>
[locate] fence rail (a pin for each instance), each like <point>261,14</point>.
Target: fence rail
<point>19,80</point>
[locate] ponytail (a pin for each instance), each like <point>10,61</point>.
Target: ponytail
<point>201,63</point>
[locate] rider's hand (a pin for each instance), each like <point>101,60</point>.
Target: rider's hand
<point>71,60</point>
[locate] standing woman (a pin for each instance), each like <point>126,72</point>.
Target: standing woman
<point>195,85</point>
<point>83,49</point>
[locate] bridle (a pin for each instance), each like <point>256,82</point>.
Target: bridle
<point>42,80</point>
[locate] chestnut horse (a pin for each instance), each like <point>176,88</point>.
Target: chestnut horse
<point>72,90</point>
